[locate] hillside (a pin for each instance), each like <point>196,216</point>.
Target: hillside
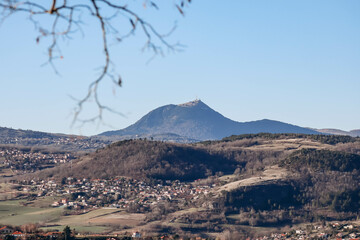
<point>241,183</point>
<point>197,120</point>
<point>18,133</point>
<point>142,159</point>
<point>323,160</point>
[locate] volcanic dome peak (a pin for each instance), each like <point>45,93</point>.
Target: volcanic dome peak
<point>196,120</point>
<point>192,103</point>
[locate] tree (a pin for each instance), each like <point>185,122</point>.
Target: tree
<point>67,233</point>
<point>29,228</point>
<point>9,237</point>
<point>65,18</point>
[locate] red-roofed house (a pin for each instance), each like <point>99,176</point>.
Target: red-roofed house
<point>17,234</point>
<point>52,234</point>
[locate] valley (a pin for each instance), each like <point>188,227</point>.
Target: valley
<point>245,185</point>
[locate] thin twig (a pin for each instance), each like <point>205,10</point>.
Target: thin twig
<point>69,12</point>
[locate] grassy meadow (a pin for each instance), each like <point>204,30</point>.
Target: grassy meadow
<point>14,212</point>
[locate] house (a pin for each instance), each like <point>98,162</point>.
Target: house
<point>17,234</point>
<point>136,235</point>
<point>52,235</point>
<point>349,227</point>
<point>5,230</point>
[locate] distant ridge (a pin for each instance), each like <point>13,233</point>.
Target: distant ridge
<point>196,120</point>
<point>53,141</point>
<point>352,133</point>
<point>16,133</point>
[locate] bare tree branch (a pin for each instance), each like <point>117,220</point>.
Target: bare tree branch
<point>66,20</point>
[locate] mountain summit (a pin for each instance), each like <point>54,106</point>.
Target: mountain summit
<point>197,120</point>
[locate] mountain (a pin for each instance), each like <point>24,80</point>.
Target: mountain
<point>352,133</point>
<point>196,120</point>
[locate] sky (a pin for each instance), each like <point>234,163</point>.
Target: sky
<point>293,61</point>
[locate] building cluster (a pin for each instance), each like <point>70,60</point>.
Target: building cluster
<point>81,143</point>
<point>116,193</point>
<point>336,231</point>
<point>24,161</point>
<point>8,232</point>
<point>332,231</point>
<point>65,142</point>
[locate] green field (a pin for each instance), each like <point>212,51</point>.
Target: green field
<point>85,219</point>
<point>88,222</point>
<point>78,228</point>
<point>15,213</point>
<point>42,202</point>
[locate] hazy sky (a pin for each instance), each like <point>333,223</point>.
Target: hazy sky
<point>292,61</point>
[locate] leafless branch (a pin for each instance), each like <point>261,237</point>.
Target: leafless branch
<point>66,20</point>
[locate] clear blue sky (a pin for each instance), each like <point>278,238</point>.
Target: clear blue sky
<point>292,61</point>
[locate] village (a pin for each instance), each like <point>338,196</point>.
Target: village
<point>21,161</point>
<point>124,193</point>
<point>79,196</point>
<point>66,142</point>
<point>22,155</point>
<point>24,232</point>
<point>331,230</point>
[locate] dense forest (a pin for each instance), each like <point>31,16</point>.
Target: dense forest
<point>327,139</point>
<point>323,160</point>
